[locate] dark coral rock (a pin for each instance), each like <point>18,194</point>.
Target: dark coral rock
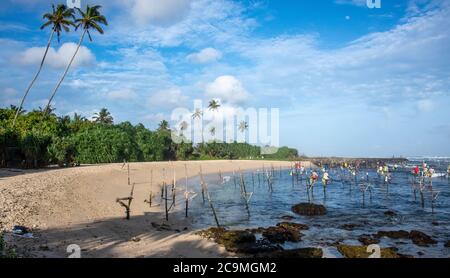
<point>233,241</point>
<point>349,227</point>
<point>293,226</point>
<point>393,234</point>
<point>281,234</point>
<point>390,213</point>
<point>421,239</point>
<point>368,239</point>
<point>309,209</point>
<point>447,244</point>
<point>355,252</point>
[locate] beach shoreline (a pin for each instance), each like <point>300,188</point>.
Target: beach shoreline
<point>78,206</point>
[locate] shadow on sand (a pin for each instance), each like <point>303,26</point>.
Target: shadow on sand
<point>142,236</point>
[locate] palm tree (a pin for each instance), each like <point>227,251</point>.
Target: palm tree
<point>163,125</point>
<point>103,117</point>
<point>77,118</point>
<point>243,126</point>
<point>89,20</point>
<point>213,105</point>
<point>60,19</point>
<point>212,130</point>
<point>198,114</point>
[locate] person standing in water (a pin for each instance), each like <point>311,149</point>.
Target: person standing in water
<point>325,178</point>
<point>313,178</point>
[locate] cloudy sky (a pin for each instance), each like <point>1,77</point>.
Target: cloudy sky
<point>348,80</point>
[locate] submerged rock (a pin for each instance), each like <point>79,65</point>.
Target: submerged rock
<point>356,252</point>
<point>302,253</point>
<point>390,213</point>
<point>393,234</point>
<point>368,239</point>
<point>421,239</point>
<point>294,226</point>
<point>447,244</point>
<point>349,227</point>
<point>287,217</point>
<point>309,209</point>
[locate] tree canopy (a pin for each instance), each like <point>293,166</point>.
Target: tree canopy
<point>39,139</point>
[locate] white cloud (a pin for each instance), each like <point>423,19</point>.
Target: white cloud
<point>228,89</point>
<point>207,55</point>
<point>57,58</point>
<point>158,12</point>
<point>121,94</point>
<point>166,99</point>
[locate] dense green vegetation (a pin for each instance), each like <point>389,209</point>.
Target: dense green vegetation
<point>39,139</point>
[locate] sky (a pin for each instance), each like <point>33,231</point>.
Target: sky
<point>348,80</point>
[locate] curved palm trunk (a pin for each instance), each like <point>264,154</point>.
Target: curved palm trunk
<point>35,78</point>
<point>47,109</point>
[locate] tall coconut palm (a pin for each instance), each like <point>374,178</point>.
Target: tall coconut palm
<point>163,125</point>
<point>103,117</point>
<point>213,105</point>
<point>91,19</point>
<point>60,19</point>
<point>198,114</point>
<point>212,130</point>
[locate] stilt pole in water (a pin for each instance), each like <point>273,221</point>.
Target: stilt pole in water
<point>203,183</point>
<point>212,206</point>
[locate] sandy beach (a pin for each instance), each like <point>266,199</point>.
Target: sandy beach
<point>78,206</point>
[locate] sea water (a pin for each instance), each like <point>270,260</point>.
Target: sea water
<point>345,203</point>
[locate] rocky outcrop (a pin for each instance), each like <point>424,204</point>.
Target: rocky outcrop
<point>357,252</point>
<point>308,209</point>
<point>421,239</point>
<point>393,234</point>
<point>417,237</point>
<point>368,239</point>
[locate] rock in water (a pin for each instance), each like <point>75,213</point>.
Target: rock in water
<point>390,213</point>
<point>233,241</point>
<point>358,252</point>
<point>309,209</point>
<point>447,244</point>
<point>393,234</point>
<point>283,232</point>
<point>421,239</point>
<point>368,239</point>
<point>294,226</point>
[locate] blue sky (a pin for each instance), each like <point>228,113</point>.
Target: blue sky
<point>348,80</point>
